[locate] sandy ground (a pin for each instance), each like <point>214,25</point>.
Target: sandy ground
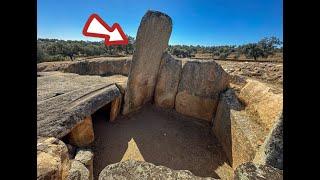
<point>161,137</point>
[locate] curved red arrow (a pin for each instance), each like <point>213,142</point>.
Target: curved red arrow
<point>96,27</point>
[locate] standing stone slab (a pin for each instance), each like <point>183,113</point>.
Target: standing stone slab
<point>82,134</point>
<point>262,101</point>
<point>152,40</point>
<point>168,81</point>
<point>199,88</point>
<point>271,152</point>
<point>238,133</point>
<point>115,108</point>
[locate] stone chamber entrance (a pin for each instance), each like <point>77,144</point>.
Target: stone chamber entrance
<point>159,136</point>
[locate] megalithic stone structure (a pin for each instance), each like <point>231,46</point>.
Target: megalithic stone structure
<point>151,42</point>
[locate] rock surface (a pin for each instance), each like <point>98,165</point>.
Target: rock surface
<point>239,134</point>
<point>243,129</point>
<point>104,66</point>
<point>264,71</point>
<point>78,171</point>
<point>168,81</point>
<point>52,159</point>
<point>262,102</point>
<point>85,156</point>
<point>115,108</point>
<point>152,40</point>
<point>53,66</point>
<point>271,152</point>
<point>251,171</point>
<point>82,134</point>
<point>199,88</point>
<point>65,99</point>
<point>136,170</point>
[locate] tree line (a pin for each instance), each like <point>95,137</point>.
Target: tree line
<point>263,48</point>
<point>59,50</point>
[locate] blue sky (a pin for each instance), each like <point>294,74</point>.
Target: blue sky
<point>203,22</point>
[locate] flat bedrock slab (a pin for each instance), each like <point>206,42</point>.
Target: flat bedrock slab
<point>152,40</point>
<point>168,81</point>
<point>136,170</point>
<point>65,99</point>
<point>199,88</point>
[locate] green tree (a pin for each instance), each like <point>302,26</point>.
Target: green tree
<point>251,50</point>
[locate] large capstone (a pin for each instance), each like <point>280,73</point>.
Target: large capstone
<point>64,100</point>
<point>152,40</point>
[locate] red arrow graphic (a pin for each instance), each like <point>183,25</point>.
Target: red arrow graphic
<point>96,27</point>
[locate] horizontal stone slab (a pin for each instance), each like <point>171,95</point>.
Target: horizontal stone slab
<point>103,66</point>
<point>65,100</point>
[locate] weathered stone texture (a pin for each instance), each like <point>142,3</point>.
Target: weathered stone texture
<point>115,108</point>
<point>85,156</point>
<point>244,130</point>
<point>136,170</point>
<point>152,40</point>
<point>66,99</point>
<point>271,152</point>
<point>53,66</point>
<point>52,159</point>
<point>100,66</point>
<point>82,134</point>
<point>199,88</point>
<point>239,134</point>
<point>168,81</point>
<point>251,171</point>
<point>262,102</point>
<point>78,171</point>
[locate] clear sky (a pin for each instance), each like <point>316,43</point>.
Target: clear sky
<point>203,22</point>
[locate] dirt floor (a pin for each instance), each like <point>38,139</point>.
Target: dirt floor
<point>161,137</point>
